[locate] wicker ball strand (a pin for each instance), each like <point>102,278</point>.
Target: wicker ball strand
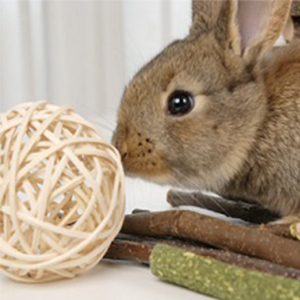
<point>61,193</point>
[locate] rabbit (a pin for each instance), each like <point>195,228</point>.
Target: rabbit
<point>220,110</point>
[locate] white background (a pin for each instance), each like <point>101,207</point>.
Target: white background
<point>82,52</point>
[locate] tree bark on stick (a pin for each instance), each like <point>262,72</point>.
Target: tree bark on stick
<point>194,226</point>
<point>138,249</point>
<point>250,212</point>
<point>283,230</point>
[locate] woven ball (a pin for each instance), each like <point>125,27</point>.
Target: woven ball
<point>61,193</point>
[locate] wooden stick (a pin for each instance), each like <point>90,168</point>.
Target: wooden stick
<point>130,250</point>
<point>214,278</point>
<point>138,249</point>
<point>250,212</point>
<point>240,239</point>
<point>283,230</point>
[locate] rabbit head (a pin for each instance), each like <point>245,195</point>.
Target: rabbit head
<point>191,114</point>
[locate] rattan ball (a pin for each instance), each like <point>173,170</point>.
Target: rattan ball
<point>61,193</point>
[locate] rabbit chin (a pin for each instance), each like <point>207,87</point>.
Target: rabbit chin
<point>161,179</point>
<point>160,176</point>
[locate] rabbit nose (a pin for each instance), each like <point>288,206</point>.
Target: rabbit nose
<point>122,148</point>
<point>124,155</point>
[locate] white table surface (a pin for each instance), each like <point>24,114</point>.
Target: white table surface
<point>107,281</point>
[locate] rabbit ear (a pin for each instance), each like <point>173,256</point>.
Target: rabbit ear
<point>260,24</point>
<point>205,14</point>
<point>217,16</point>
<point>289,30</point>
<point>249,27</point>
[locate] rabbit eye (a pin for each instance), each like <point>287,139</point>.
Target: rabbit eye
<point>180,103</point>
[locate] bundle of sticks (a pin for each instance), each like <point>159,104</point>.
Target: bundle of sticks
<point>255,245</point>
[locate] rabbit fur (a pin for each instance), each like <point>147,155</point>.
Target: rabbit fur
<point>241,140</point>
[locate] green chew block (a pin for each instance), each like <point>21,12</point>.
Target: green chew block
<point>217,279</point>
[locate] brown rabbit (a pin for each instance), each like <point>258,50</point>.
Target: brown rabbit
<point>218,110</point>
